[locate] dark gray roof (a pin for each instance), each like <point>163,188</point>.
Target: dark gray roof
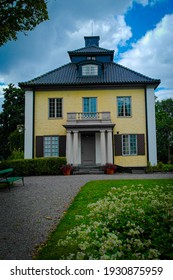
<point>91,49</point>
<point>113,74</point>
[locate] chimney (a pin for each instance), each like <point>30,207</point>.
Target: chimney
<point>92,41</point>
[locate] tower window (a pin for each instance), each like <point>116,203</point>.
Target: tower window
<point>91,58</point>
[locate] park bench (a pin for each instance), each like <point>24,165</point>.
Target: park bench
<point>5,177</point>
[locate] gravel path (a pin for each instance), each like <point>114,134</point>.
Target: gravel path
<point>29,213</point>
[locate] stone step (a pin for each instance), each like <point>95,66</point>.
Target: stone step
<point>83,172</point>
<point>88,170</point>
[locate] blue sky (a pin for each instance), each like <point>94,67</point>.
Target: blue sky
<point>140,32</point>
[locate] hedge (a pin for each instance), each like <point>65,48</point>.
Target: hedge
<point>34,167</point>
<point>160,167</point>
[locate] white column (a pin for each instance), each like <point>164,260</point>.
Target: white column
<point>69,147</point>
<point>151,126</point>
<point>75,147</point>
<point>109,146</point>
<point>103,146</point>
<point>28,143</point>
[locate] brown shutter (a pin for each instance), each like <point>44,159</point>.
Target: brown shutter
<point>141,144</point>
<point>39,146</point>
<point>118,144</point>
<point>62,146</point>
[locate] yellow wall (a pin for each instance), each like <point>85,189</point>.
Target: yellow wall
<point>106,101</point>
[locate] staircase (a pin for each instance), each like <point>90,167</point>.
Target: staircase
<point>88,169</point>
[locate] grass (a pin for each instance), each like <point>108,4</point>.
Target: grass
<point>127,219</point>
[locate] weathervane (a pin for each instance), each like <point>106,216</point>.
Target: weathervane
<point>92,27</point>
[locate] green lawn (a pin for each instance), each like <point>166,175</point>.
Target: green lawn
<point>115,219</point>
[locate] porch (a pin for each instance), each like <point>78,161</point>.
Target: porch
<point>89,138</point>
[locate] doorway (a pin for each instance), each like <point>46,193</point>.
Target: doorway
<point>88,149</point>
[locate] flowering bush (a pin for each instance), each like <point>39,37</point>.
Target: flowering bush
<point>128,223</point>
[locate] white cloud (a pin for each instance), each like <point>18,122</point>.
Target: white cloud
<point>113,31</point>
<point>46,47</point>
<point>164,93</point>
<point>143,2</point>
<point>152,55</point>
<point>149,2</point>
<point>1,90</point>
<point>2,85</point>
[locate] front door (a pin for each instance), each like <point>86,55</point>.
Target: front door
<point>88,149</point>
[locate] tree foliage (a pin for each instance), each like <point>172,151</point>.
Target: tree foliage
<point>16,140</point>
<point>11,116</point>
<point>20,15</point>
<point>164,127</point>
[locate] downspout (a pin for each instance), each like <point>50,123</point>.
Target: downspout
<point>146,121</point>
<point>33,125</point>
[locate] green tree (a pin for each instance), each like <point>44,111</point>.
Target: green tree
<point>20,16</point>
<point>11,116</point>
<point>16,140</point>
<point>164,128</point>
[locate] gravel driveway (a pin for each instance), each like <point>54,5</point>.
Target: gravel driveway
<point>29,213</point>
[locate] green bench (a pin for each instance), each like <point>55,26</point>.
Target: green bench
<point>5,177</point>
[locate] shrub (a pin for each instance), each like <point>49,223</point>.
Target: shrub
<point>128,223</point>
<point>160,167</point>
<point>34,167</point>
<point>168,167</point>
<point>16,154</point>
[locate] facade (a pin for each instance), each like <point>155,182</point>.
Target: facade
<point>91,110</point>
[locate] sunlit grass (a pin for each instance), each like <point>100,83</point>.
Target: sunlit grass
<point>127,219</point>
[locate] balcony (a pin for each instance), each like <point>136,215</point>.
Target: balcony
<point>94,118</point>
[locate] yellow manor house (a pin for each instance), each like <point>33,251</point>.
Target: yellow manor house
<point>92,110</point>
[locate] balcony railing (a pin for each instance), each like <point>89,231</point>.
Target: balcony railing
<point>92,116</point>
<point>83,117</point>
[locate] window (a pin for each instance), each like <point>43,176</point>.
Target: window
<point>91,58</point>
<point>51,146</point>
<point>129,144</point>
<point>89,107</point>
<point>55,107</point>
<point>90,70</point>
<point>124,106</point>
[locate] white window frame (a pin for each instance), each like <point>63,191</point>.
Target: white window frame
<point>50,147</point>
<point>124,104</point>
<point>90,70</point>
<point>126,145</point>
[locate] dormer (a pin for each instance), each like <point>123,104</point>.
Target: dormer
<point>90,68</point>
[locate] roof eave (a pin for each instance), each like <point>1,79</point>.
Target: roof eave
<point>73,53</point>
<point>64,86</point>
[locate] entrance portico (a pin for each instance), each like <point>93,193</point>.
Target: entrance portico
<point>89,147</point>
<point>89,138</point>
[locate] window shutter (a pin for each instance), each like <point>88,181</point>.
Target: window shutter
<point>39,146</point>
<point>118,144</point>
<point>62,146</point>
<point>141,144</point>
